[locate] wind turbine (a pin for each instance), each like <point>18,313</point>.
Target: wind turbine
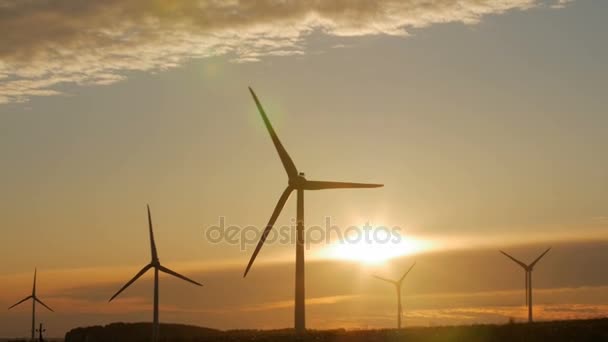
<point>34,299</point>
<point>398,284</point>
<point>528,269</point>
<point>155,263</point>
<point>40,332</point>
<point>297,182</point>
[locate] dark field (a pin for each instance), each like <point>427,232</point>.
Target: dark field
<point>595,330</point>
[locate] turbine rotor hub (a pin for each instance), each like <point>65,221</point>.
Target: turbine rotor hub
<point>298,181</point>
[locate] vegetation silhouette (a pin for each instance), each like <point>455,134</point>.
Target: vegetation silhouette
<point>594,330</point>
<point>136,332</point>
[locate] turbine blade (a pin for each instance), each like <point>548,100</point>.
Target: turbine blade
<point>34,287</point>
<point>139,274</point>
<point>320,185</point>
<point>408,271</point>
<point>41,303</point>
<point>517,261</point>
<point>288,164</point>
<point>152,243</point>
<point>387,280</point>
<point>273,218</point>
<point>540,257</point>
<point>21,301</point>
<point>175,274</point>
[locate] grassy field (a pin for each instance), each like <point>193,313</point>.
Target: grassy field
<point>595,330</point>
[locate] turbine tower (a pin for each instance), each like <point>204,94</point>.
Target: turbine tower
<point>297,183</point>
<point>34,299</point>
<point>40,332</point>
<point>528,280</point>
<point>398,284</point>
<point>155,264</point>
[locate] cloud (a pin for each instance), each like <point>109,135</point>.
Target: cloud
<point>45,44</point>
<point>501,314</point>
<point>561,3</point>
<point>285,304</point>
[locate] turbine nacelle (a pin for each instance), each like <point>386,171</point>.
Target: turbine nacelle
<point>298,182</point>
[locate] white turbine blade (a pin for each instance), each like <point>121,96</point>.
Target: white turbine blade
<point>273,218</point>
<point>540,257</point>
<point>288,164</point>
<point>387,280</point>
<point>21,301</point>
<point>175,274</point>
<point>41,303</point>
<point>408,271</point>
<point>143,270</point>
<point>152,243</point>
<point>517,261</point>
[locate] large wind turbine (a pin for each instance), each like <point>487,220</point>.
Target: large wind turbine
<point>34,299</point>
<point>528,269</point>
<point>155,263</point>
<point>398,284</point>
<point>297,183</point>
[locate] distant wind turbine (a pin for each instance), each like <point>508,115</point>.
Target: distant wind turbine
<point>297,183</point>
<point>34,299</point>
<point>528,282</point>
<point>398,284</point>
<point>155,263</point>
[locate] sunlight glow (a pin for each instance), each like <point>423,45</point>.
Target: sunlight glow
<point>369,252</point>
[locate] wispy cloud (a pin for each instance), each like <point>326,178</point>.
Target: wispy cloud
<point>561,3</point>
<point>501,314</point>
<point>45,44</point>
<point>285,304</point>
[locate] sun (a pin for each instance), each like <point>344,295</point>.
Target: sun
<point>370,252</point>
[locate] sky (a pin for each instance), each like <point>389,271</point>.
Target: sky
<point>485,120</point>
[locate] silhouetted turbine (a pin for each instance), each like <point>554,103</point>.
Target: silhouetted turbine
<point>398,284</point>
<point>34,299</point>
<point>528,270</point>
<point>155,263</point>
<point>298,183</point>
<point>40,332</point>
